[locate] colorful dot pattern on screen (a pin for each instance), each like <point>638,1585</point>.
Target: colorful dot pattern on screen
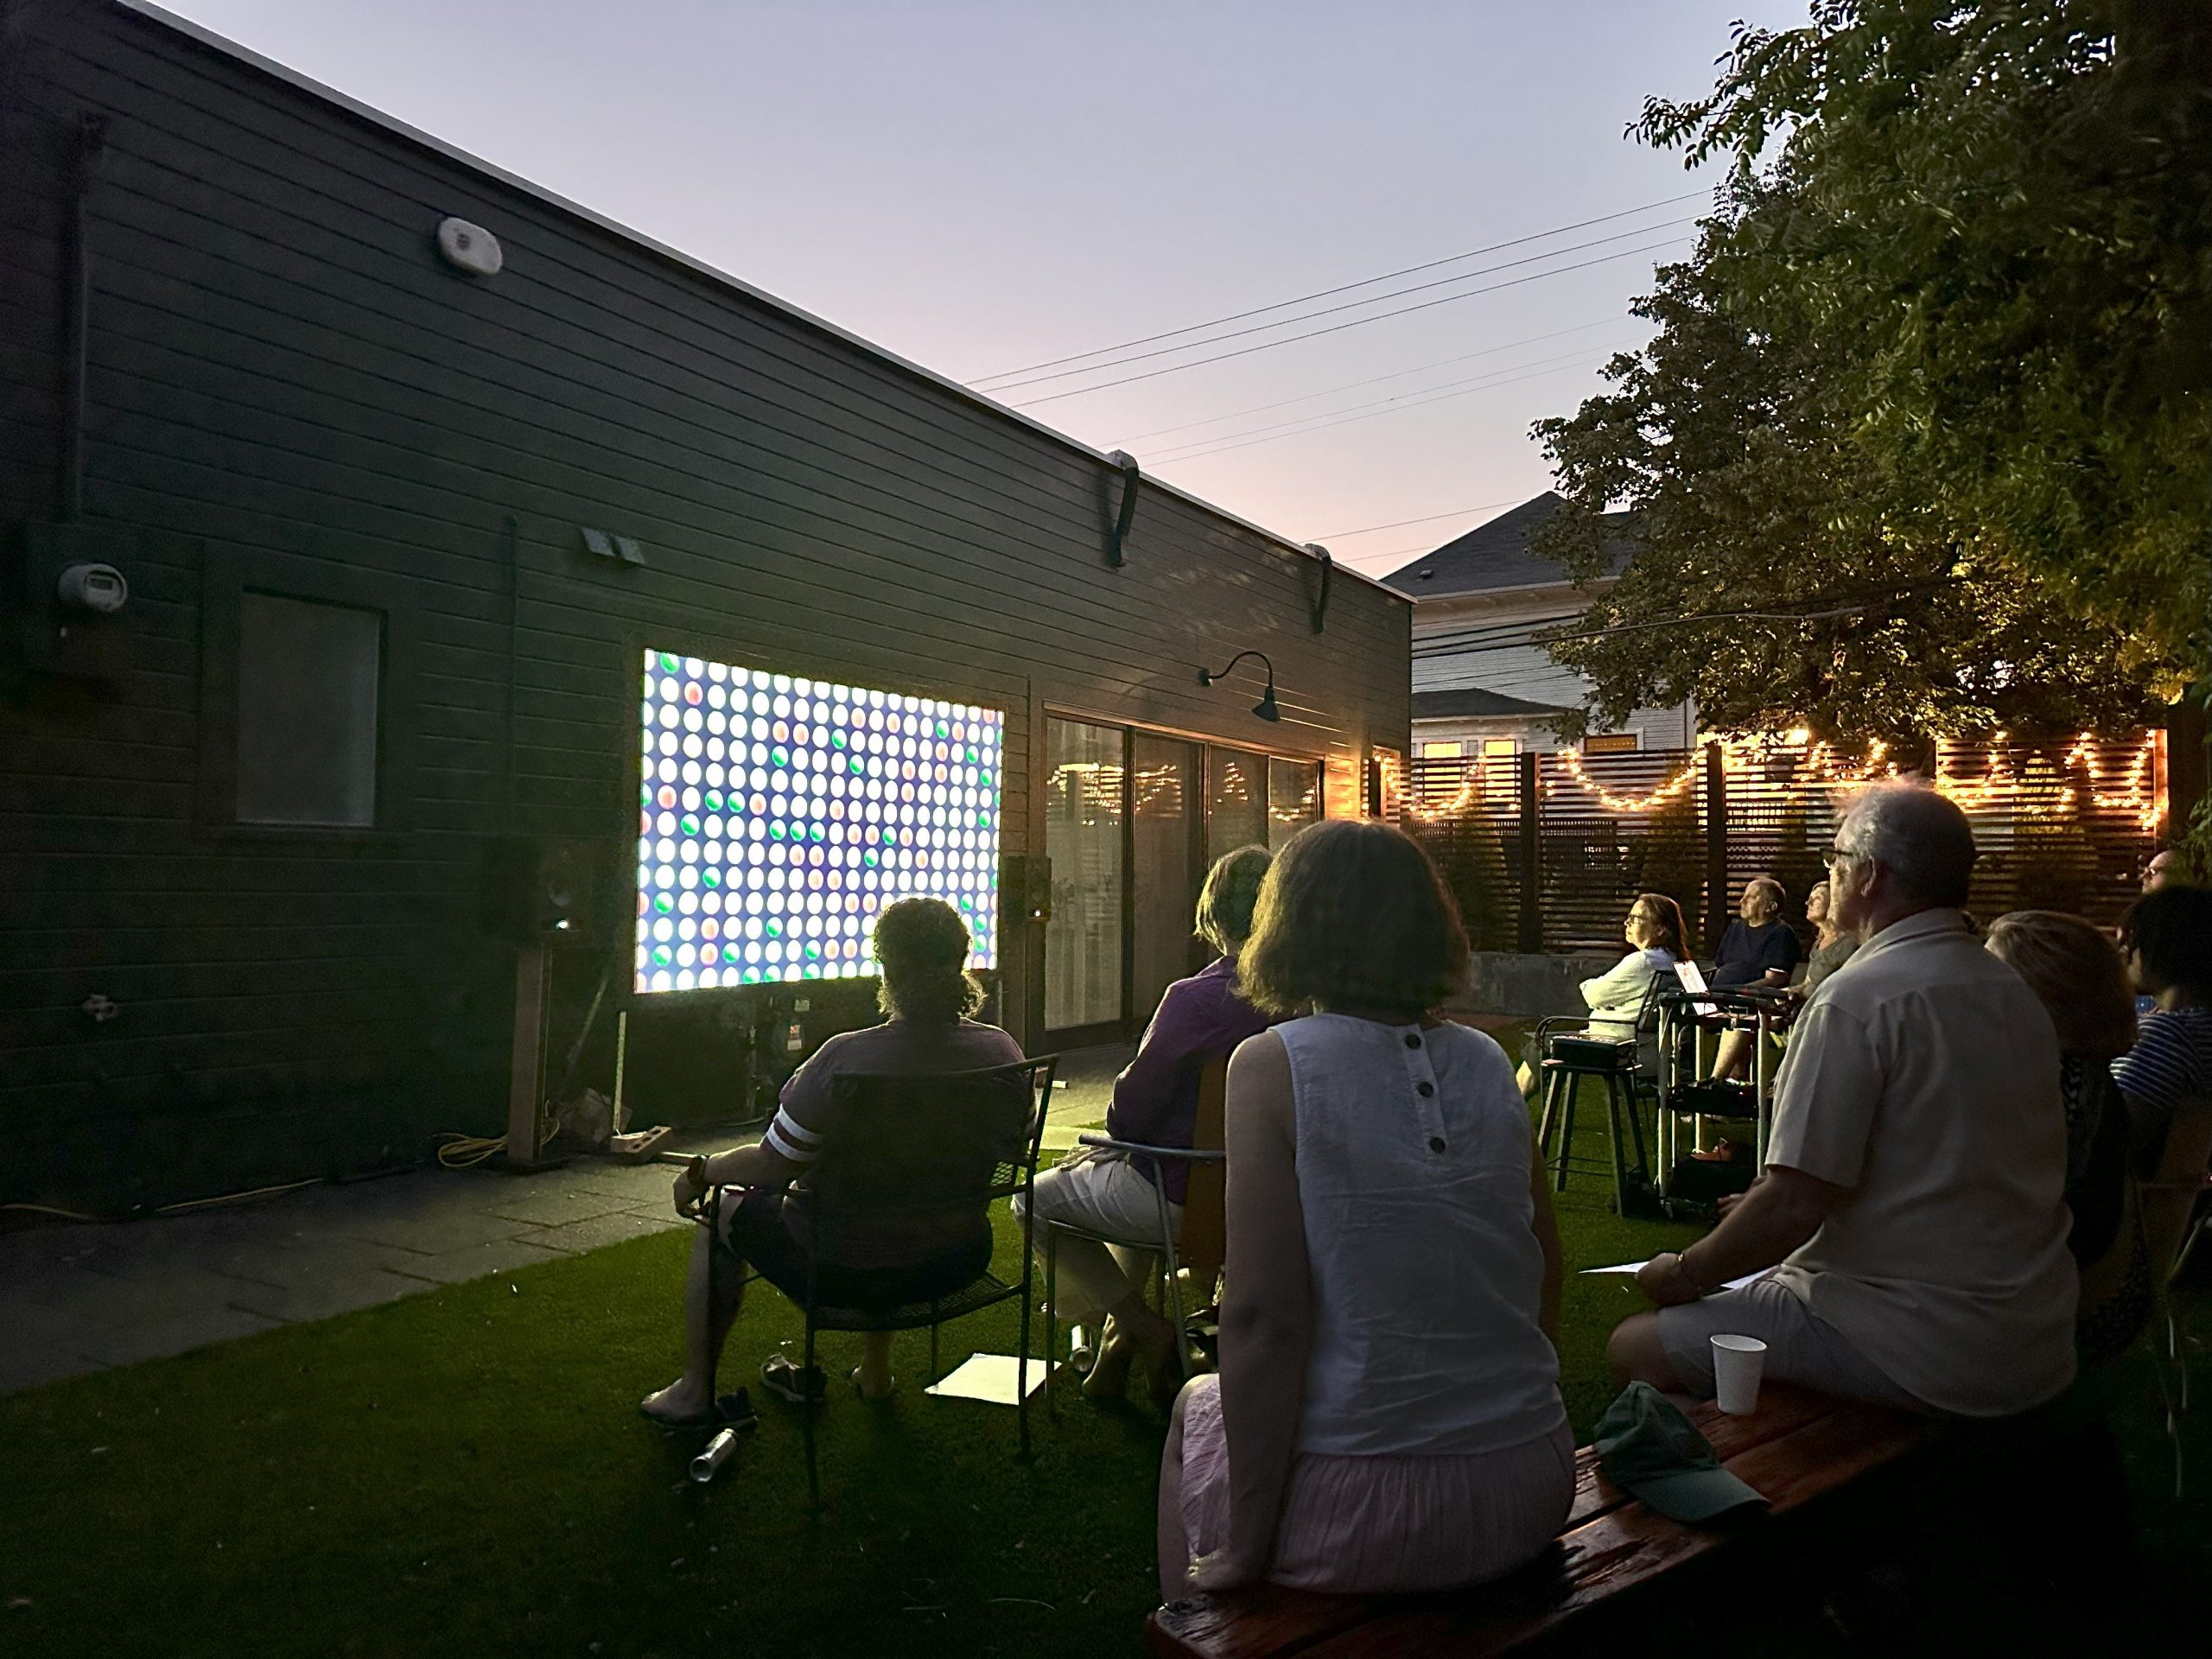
<point>776,816</point>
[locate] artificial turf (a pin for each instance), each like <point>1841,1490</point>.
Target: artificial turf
<point>464,1472</point>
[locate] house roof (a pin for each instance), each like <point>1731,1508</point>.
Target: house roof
<point>1474,700</point>
<point>230,48</point>
<point>1495,557</point>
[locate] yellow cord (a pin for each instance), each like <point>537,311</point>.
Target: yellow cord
<point>459,1151</point>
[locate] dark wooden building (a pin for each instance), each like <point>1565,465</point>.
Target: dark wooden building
<point>394,530</point>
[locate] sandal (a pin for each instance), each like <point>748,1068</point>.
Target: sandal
<point>883,1399</point>
<point>729,1411</point>
<point>795,1385</point>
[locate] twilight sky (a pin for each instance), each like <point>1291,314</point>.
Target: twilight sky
<point>982,185</point>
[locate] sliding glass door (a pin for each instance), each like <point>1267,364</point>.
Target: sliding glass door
<point>1131,819</point>
<point>1083,838</point>
<point>1164,850</point>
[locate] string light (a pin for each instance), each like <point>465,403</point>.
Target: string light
<point>2002,774</point>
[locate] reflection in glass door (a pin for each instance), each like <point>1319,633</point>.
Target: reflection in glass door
<point>1083,838</point>
<point>1164,868</point>
<point>1237,801</point>
<point>1293,799</point>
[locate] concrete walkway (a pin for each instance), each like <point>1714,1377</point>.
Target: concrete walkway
<point>81,1298</point>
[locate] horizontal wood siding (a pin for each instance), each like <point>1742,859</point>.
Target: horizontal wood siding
<point>282,373</point>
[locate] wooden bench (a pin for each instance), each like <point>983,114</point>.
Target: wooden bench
<point>1796,1448</point>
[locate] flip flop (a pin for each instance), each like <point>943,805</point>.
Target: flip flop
<point>729,1411</point>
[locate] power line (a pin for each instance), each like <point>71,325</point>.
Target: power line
<point>1338,327</point>
<point>1376,379</point>
<point>1398,407</point>
<point>1349,305</point>
<point>1456,512</point>
<point>1323,293</point>
<point>1410,399</point>
<point>1665,622</point>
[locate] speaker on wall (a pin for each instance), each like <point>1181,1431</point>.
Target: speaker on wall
<point>552,890</point>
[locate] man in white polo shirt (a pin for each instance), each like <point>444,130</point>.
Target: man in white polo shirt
<point>1914,1182</point>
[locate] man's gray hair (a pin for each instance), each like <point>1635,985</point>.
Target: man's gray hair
<point>1920,836</point>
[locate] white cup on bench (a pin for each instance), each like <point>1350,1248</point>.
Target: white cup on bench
<point>1736,1363</point>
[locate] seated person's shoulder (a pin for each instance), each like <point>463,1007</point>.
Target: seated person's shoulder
<point>996,1045</point>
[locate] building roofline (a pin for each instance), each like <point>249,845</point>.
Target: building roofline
<point>392,123</point>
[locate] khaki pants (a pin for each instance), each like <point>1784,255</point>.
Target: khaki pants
<point>1102,1193</point>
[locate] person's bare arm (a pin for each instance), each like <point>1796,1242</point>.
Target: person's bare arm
<point>756,1166</point>
<point>1784,1209</point>
<point>1546,1229</point>
<point>1267,1311</point>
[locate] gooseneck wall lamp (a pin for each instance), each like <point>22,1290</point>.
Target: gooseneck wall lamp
<point>1265,708</point>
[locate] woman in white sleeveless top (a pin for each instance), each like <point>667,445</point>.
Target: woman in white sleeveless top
<point>1388,1415</point>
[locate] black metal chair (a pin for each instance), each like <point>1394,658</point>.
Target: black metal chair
<point>1565,1058</point>
<point>906,1150</point>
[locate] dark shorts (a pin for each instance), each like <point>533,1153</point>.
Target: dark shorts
<point>754,1229</point>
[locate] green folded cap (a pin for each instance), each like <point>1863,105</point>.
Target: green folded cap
<point>1650,1451</point>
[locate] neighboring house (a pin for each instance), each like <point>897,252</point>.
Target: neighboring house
<point>1480,686</point>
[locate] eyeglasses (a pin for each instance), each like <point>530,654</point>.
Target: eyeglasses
<point>1832,855</point>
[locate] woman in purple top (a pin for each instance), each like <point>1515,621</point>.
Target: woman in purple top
<point>1200,1019</point>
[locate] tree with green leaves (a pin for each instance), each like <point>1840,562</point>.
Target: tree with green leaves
<point>1926,425</point>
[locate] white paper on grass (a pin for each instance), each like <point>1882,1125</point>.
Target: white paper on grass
<point>994,1378</point>
<point>1637,1267</point>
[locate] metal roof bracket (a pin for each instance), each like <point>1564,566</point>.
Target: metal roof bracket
<point>1117,545</point>
<point>1318,603</point>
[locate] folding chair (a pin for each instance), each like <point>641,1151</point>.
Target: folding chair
<point>905,1149</point>
<point>1203,1244</point>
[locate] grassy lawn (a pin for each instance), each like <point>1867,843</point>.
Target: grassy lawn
<point>463,1473</point>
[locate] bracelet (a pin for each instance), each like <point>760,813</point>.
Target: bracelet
<point>1682,1267</point>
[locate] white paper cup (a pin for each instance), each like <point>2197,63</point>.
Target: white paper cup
<point>1736,1363</point>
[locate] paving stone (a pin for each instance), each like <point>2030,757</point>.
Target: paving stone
<point>125,1303</point>
<point>319,1300</point>
<point>470,1261</point>
<point>628,1181</point>
<point>286,1264</point>
<point>550,1207</point>
<point>591,1233</point>
<point>176,1333</point>
<point>431,1233</point>
<point>33,1327</point>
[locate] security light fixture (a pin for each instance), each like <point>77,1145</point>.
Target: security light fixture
<point>1265,708</point>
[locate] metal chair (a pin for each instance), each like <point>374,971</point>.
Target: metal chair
<point>910,1148</point>
<point>1568,1057</point>
<point>1203,1243</point>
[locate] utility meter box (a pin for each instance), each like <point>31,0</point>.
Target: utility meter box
<point>68,595</point>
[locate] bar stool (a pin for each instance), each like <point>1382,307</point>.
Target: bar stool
<point>1567,1061</point>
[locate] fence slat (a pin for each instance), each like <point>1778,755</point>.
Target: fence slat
<point>2061,825</point>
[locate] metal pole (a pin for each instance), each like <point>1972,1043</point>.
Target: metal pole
<point>524,1062</point>
<point>1532,915</point>
<point>1716,846</point>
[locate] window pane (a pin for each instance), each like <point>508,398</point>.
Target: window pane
<point>1294,798</point>
<point>1083,837</point>
<point>1237,801</point>
<point>306,719</point>
<point>1164,868</point>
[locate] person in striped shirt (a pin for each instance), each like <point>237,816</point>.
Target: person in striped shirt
<point>922,946</point>
<point>2167,940</point>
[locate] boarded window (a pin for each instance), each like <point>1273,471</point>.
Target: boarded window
<point>306,717</point>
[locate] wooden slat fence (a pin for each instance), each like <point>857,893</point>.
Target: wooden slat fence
<point>2061,825</point>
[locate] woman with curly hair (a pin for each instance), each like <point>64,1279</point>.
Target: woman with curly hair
<point>929,1000</point>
